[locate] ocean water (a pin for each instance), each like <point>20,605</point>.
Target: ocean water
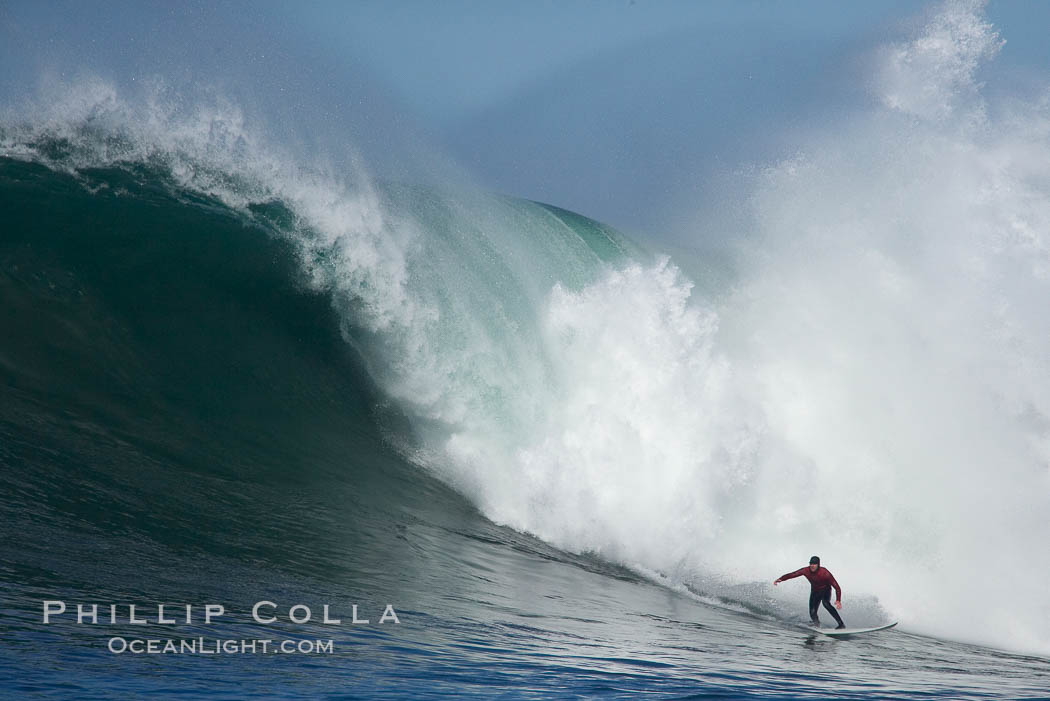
<point>569,464</point>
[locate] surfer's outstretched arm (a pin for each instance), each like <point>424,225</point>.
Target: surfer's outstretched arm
<point>792,575</point>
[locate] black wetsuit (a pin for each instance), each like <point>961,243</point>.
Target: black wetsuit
<point>815,599</point>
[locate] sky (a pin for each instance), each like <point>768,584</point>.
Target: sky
<point>451,59</point>
<point>628,111</point>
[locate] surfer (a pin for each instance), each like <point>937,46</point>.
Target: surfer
<point>821,581</point>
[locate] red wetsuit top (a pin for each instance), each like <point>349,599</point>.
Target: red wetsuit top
<point>819,580</point>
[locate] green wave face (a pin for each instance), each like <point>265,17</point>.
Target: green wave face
<point>191,387</point>
<point>230,332</point>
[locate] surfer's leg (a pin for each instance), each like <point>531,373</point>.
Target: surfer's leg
<point>814,602</point>
<point>831,609</point>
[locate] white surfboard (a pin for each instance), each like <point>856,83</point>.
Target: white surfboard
<point>839,632</point>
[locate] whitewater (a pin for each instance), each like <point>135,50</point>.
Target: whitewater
<point>861,372</point>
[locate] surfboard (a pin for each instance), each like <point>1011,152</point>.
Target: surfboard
<point>840,632</point>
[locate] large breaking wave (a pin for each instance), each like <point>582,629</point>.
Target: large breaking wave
<point>869,382</point>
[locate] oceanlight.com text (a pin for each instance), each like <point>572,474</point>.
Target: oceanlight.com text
<point>218,646</point>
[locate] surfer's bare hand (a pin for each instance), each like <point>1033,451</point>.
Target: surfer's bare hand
<point>838,604</point>
<point>776,582</point>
